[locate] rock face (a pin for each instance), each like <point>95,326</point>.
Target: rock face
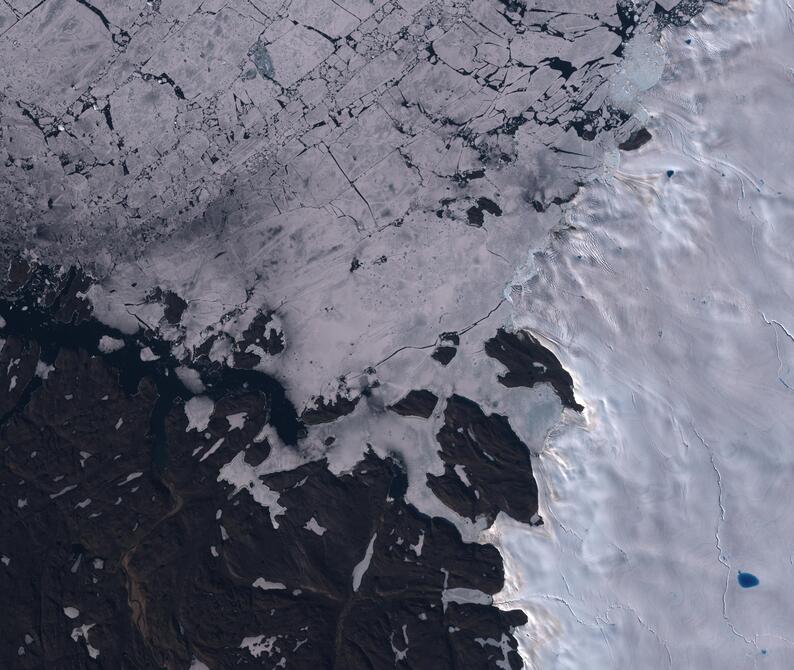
<point>528,363</point>
<point>326,411</point>
<point>173,305</point>
<point>416,403</point>
<point>264,333</point>
<point>447,348</point>
<point>636,140</point>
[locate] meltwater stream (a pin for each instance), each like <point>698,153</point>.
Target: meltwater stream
<point>667,292</point>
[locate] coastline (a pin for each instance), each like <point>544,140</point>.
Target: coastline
<point>665,285</point>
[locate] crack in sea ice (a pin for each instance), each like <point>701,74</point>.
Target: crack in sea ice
<point>772,323</point>
<point>720,553</point>
<point>643,624</point>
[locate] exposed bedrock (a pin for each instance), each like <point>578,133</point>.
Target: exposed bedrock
<point>528,363</point>
<point>487,468</point>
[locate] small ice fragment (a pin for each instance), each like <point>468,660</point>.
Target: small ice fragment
<point>236,421</point>
<point>212,449</point>
<point>190,379</point>
<point>314,527</point>
<point>262,60</point>
<point>64,490</point>
<point>361,568</point>
<point>417,548</point>
<point>82,632</point>
<point>43,370</point>
<point>198,411</point>
<point>107,344</point>
<point>256,645</point>
<point>148,355</point>
<point>130,478</point>
<point>262,583</point>
<point>461,472</point>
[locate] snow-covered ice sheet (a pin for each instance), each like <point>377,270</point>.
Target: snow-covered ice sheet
<point>667,293</point>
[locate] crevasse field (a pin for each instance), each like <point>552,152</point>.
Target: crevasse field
<point>668,295</point>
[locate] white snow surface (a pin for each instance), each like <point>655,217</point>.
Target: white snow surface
<point>262,583</point>
<point>43,369</point>
<point>315,527</point>
<point>190,379</point>
<point>82,632</point>
<point>245,477</point>
<point>148,355</point>
<point>108,345</point>
<point>671,304</point>
<point>259,644</point>
<point>361,568</point>
<point>236,421</point>
<point>198,411</point>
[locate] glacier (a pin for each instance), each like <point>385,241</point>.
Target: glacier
<point>667,294</point>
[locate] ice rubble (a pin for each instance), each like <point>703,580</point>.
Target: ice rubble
<point>671,304</point>
<point>641,69</point>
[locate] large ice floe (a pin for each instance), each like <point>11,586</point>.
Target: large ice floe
<point>667,292</point>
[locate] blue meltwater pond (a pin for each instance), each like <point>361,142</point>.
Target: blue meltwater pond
<point>747,580</point>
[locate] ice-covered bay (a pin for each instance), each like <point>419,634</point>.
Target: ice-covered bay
<point>668,295</point>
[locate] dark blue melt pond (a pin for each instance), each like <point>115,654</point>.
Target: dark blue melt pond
<point>747,580</point>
